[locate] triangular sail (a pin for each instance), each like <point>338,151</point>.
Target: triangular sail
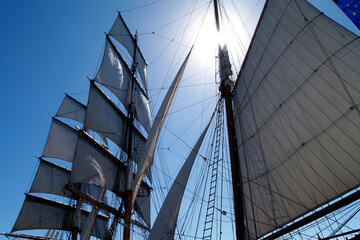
<point>296,115</point>
<point>165,223</point>
<point>149,148</point>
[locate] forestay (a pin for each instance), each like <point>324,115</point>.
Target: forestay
<point>296,114</point>
<point>41,213</point>
<point>165,223</point>
<point>61,141</point>
<point>122,34</point>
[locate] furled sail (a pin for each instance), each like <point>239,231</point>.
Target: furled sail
<point>41,213</point>
<point>72,109</point>
<point>296,112</point>
<point>122,34</point>
<point>61,141</point>
<point>165,223</point>
<point>149,148</point>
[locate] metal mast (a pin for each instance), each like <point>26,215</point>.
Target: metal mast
<point>226,87</point>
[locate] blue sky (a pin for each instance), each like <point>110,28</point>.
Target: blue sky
<point>50,47</point>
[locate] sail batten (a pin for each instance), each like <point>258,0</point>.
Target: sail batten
<point>295,103</point>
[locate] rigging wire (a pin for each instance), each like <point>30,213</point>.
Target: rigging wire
<point>141,6</point>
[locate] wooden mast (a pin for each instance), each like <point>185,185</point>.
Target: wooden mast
<point>128,194</point>
<point>226,87</point>
<point>127,198</point>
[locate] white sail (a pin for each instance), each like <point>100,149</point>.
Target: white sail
<point>41,213</point>
<point>165,223</point>
<point>149,148</point>
<point>296,113</point>
<point>72,109</point>
<point>61,141</point>
<point>51,178</point>
<point>142,108</point>
<point>114,74</point>
<point>95,165</point>
<point>122,34</point>
<point>104,117</point>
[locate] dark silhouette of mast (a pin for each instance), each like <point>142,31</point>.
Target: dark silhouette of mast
<point>226,87</point>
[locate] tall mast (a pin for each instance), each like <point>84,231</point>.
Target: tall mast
<point>127,196</point>
<point>129,182</point>
<point>226,86</point>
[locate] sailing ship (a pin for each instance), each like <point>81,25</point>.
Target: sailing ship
<point>293,124</point>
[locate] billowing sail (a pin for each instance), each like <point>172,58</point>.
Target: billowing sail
<point>72,109</point>
<point>122,34</point>
<point>41,213</point>
<point>104,117</point>
<point>165,223</point>
<point>149,148</point>
<point>95,165</point>
<point>52,178</point>
<point>61,141</point>
<point>296,113</point>
<point>115,75</point>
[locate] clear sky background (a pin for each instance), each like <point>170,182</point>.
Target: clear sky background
<point>50,47</point>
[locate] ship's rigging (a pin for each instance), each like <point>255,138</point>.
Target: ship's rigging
<point>292,120</point>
